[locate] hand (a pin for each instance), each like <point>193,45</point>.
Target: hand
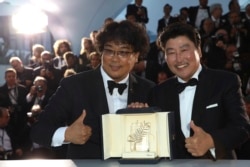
<point>200,142</point>
<point>137,105</point>
<point>43,72</point>
<point>77,132</point>
<point>33,90</point>
<point>36,109</point>
<point>19,152</point>
<point>220,44</point>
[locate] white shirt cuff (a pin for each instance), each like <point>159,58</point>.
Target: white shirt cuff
<point>58,137</point>
<point>29,97</point>
<point>212,151</point>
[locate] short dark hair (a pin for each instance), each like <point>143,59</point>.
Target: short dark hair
<point>68,54</point>
<point>179,29</point>
<point>125,32</point>
<point>183,9</point>
<point>167,5</point>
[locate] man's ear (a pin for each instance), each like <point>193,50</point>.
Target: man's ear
<point>136,55</point>
<point>199,51</point>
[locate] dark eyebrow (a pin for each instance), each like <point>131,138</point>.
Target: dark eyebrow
<point>121,46</point>
<point>181,47</point>
<point>169,49</point>
<point>185,46</point>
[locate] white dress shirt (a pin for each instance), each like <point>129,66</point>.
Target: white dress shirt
<point>5,140</point>
<point>115,101</point>
<point>186,98</point>
<point>201,15</point>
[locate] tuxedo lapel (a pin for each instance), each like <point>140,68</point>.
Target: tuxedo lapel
<point>98,94</point>
<point>200,98</point>
<point>176,104</point>
<point>132,88</point>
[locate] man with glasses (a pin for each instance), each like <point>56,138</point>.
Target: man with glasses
<point>74,112</point>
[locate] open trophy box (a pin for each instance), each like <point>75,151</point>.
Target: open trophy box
<point>139,136</point>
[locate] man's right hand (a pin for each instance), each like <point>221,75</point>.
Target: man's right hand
<point>77,132</point>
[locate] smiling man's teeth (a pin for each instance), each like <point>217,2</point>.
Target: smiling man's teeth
<point>181,66</point>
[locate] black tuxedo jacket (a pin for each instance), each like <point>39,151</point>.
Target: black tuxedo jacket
<point>192,14</point>
<point>132,10</point>
<point>18,115</point>
<point>217,108</point>
<point>17,127</point>
<point>162,24</point>
<point>83,91</point>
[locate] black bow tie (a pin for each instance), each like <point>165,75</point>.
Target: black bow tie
<point>112,85</point>
<point>182,86</point>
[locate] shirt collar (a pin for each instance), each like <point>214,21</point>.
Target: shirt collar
<point>196,74</point>
<point>11,87</point>
<point>214,19</point>
<point>201,7</point>
<point>42,97</point>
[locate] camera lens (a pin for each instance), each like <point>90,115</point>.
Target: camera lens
<point>39,88</point>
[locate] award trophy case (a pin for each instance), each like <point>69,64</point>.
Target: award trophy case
<point>138,135</point>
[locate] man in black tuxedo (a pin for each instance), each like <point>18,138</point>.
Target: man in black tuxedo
<point>210,118</point>
<point>198,13</point>
<point>13,97</point>
<point>166,19</point>
<point>74,112</point>
<point>139,11</point>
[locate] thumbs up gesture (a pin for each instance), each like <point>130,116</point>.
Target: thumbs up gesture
<point>77,132</point>
<point>200,142</point>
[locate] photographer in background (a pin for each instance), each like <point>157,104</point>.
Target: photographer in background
<point>238,31</point>
<point>24,74</point>
<point>46,62</point>
<point>213,50</point>
<point>48,71</point>
<point>37,99</point>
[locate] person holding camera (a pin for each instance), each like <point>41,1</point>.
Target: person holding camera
<point>213,50</point>
<point>37,98</point>
<point>48,71</point>
<point>46,62</point>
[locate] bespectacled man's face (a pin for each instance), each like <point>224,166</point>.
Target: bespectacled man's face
<point>118,60</point>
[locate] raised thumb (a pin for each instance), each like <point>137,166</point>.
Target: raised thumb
<point>81,117</point>
<point>194,127</point>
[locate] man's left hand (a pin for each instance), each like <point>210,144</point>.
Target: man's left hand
<point>200,142</point>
